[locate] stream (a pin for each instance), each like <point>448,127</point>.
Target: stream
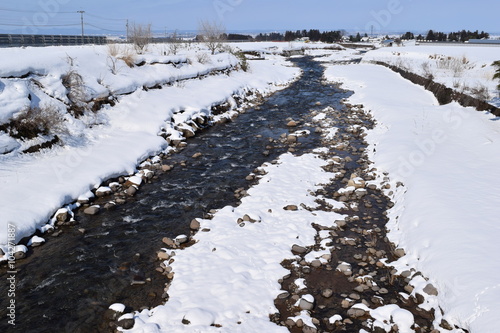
<point>67,284</point>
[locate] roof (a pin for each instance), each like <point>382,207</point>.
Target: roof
<point>484,41</point>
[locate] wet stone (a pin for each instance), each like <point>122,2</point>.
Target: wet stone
<point>92,210</point>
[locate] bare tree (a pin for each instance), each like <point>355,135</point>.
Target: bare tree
<point>140,36</point>
<point>174,43</point>
<point>212,34</point>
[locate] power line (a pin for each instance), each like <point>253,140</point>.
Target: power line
<point>29,11</point>
<point>104,29</point>
<point>106,18</point>
<point>45,25</point>
<point>12,20</point>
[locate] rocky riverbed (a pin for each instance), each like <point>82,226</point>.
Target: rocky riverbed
<point>341,282</point>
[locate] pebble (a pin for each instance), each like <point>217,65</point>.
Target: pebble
<point>327,293</point>
<point>166,168</point>
<point>383,291</point>
<point>291,207</point>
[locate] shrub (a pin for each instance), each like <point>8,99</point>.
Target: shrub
<point>73,82</point>
<point>243,60</point>
<point>426,67</point>
<point>140,36</point>
<point>480,92</point>
<point>174,44</point>
<point>34,121</point>
<point>202,57</point>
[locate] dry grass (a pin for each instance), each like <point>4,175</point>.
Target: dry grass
<point>34,121</point>
<point>113,49</point>
<point>426,67</point>
<point>128,58</point>
<point>480,91</point>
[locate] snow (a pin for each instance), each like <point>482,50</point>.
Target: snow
<point>117,307</point>
<point>230,275</point>
<point>7,144</point>
<point>113,141</point>
<point>462,68</point>
<point>35,239</point>
<point>388,315</point>
<point>446,214</point>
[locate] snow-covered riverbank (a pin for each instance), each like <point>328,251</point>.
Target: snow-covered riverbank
<point>114,140</point>
<point>446,214</point>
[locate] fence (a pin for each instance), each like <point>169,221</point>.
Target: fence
<point>11,40</point>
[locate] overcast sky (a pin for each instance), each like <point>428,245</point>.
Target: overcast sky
<point>30,16</point>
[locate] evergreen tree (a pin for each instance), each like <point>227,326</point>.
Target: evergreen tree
<point>408,35</point>
<point>430,36</point>
<point>289,36</point>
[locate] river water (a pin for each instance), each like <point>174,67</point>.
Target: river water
<point>67,284</point>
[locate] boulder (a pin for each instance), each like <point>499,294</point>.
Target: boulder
<point>20,251</point>
<point>62,215</point>
<point>103,191</point>
<point>306,302</point>
<point>92,210</point>
<point>194,225</point>
<point>298,249</point>
<point>131,191</point>
<point>36,241</point>
<point>430,290</point>
<point>356,312</point>
<point>345,268</point>
<point>181,239</point>
<point>163,255</point>
<point>168,242</point>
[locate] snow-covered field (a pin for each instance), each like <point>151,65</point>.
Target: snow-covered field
<point>111,142</point>
<point>465,68</point>
<point>446,215</point>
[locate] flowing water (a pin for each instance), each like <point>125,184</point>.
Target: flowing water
<point>67,284</point>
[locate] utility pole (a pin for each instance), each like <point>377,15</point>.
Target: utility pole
<point>81,15</point>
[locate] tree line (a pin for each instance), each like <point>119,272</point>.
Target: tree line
<point>459,36</point>
<point>314,35</point>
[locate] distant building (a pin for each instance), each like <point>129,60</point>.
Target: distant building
<point>484,41</point>
<point>388,42</point>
